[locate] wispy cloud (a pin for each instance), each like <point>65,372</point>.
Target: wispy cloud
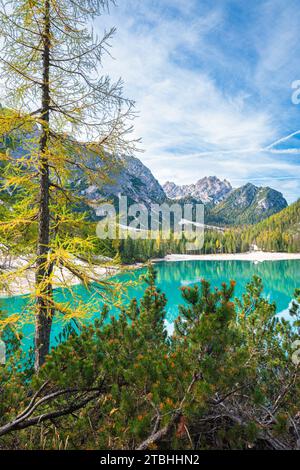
<point>211,82</point>
<point>283,139</point>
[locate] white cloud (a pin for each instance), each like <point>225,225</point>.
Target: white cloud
<point>190,124</point>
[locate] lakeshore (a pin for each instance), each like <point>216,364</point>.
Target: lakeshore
<point>62,277</point>
<point>24,284</point>
<point>256,256</point>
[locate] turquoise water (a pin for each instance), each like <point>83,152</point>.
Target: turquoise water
<point>280,279</point>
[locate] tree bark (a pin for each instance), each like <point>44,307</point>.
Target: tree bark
<point>44,287</point>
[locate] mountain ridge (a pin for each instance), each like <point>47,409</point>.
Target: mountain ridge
<point>225,205</point>
<point>128,176</point>
<point>209,189</point>
<point>248,204</point>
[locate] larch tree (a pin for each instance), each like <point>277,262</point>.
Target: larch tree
<point>61,121</point>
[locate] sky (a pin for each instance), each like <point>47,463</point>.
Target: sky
<point>212,82</point>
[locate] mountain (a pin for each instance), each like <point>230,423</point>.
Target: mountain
<point>209,189</point>
<point>129,177</point>
<point>280,232</point>
<point>248,204</point>
<point>124,174</point>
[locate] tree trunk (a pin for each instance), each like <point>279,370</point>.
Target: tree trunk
<point>44,287</point>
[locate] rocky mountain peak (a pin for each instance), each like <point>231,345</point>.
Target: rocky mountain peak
<point>248,204</point>
<point>209,189</point>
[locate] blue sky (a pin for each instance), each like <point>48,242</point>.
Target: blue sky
<point>212,81</point>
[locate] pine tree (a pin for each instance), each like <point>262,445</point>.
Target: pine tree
<point>52,91</point>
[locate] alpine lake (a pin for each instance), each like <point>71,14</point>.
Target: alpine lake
<point>280,279</point>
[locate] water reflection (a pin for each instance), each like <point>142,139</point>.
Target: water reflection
<point>280,279</point>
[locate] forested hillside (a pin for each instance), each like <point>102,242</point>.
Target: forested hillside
<point>281,232</point>
<point>247,205</point>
